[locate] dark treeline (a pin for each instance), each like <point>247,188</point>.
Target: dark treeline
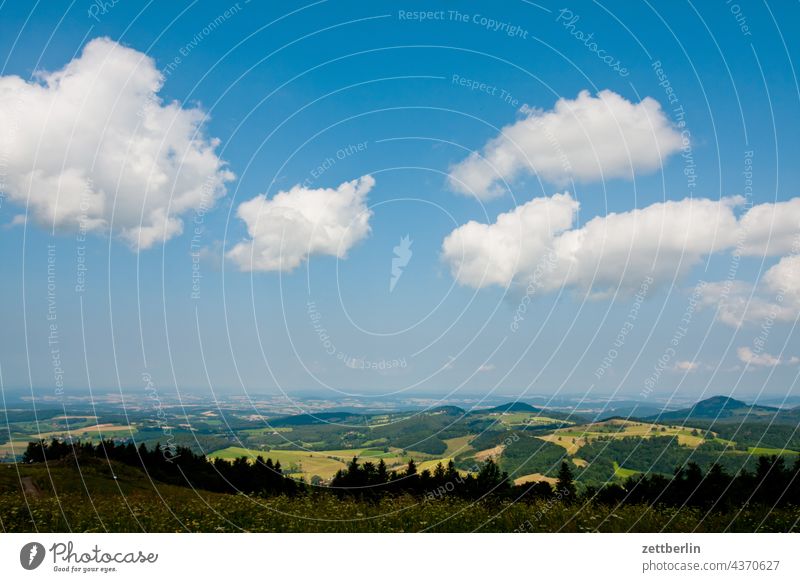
<point>178,466</point>
<point>371,481</point>
<point>773,483</point>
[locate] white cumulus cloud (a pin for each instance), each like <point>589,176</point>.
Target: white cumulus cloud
<point>762,359</point>
<point>93,147</point>
<point>538,244</point>
<point>775,298</point>
<point>686,366</point>
<point>587,138</point>
<point>771,228</point>
<point>493,254</point>
<point>783,280</point>
<point>295,224</point>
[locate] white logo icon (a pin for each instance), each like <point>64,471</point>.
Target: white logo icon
<point>402,255</point>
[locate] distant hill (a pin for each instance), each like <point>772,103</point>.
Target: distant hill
<point>635,410</point>
<point>453,410</point>
<point>347,418</point>
<point>355,418</point>
<point>511,407</point>
<point>791,416</point>
<point>719,409</point>
<point>525,408</point>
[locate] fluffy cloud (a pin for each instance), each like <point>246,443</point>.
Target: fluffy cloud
<point>662,241</point>
<point>537,243</point>
<point>93,147</point>
<point>783,280</point>
<point>761,359</point>
<point>729,298</point>
<point>771,229</point>
<point>288,228</point>
<point>686,366</point>
<point>493,254</point>
<point>776,298</point>
<point>587,138</point>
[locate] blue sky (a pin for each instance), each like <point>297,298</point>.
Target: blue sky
<point>271,93</point>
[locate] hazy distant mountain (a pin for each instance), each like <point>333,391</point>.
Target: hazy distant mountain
<point>347,418</point>
<point>719,409</point>
<point>454,410</point>
<point>634,410</point>
<point>511,407</point>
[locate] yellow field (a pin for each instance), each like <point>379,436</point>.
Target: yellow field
<point>13,448</point>
<point>571,444</point>
<point>88,430</point>
<point>365,453</point>
<point>535,478</point>
<point>324,463</point>
<point>525,419</point>
<point>431,465</point>
<point>309,463</point>
<point>394,459</point>
<point>687,439</point>
<point>574,437</point>
<point>493,453</point>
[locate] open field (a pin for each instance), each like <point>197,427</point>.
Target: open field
<point>324,464</point>
<point>623,473</point>
<point>13,448</point>
<point>458,445</point>
<point>535,478</point>
<point>570,443</point>
<point>265,431</point>
<point>492,453</point>
<point>769,451</point>
<point>521,419</point>
<point>431,464</point>
<point>298,463</point>
<point>106,430</point>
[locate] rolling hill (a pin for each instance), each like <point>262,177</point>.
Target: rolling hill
<point>718,409</point>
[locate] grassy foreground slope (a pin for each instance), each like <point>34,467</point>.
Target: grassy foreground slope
<point>58,498</point>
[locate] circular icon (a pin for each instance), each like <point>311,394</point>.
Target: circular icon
<point>31,555</point>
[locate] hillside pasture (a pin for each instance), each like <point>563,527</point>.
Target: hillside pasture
<point>492,453</point>
<point>296,463</point>
<point>458,445</point>
<point>521,419</point>
<point>622,472</point>
<point>325,464</point>
<point>12,449</point>
<point>431,464</point>
<point>575,437</point>
<point>768,451</point>
<point>535,478</point>
<point>106,430</point>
